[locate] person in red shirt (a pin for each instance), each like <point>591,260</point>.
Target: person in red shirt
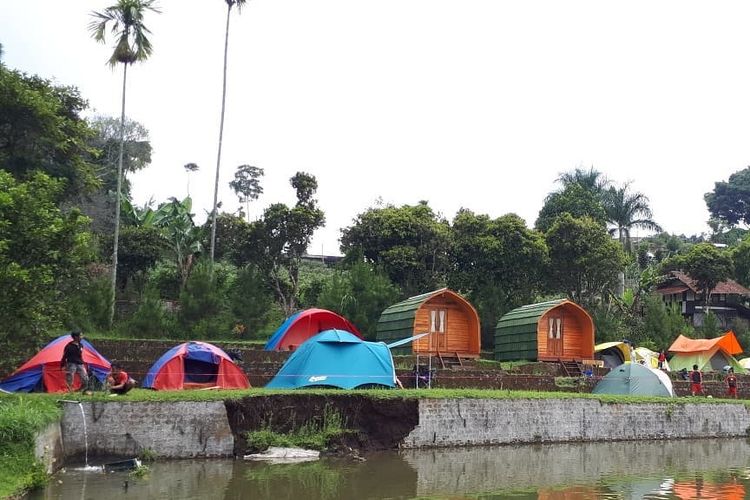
<point>696,381</point>
<point>118,381</point>
<point>731,381</point>
<point>662,359</point>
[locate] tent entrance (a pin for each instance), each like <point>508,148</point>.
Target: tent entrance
<point>200,372</point>
<point>555,335</point>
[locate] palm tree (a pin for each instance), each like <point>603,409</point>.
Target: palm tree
<point>190,167</point>
<point>591,180</point>
<point>131,45</point>
<point>230,4</point>
<point>627,210</point>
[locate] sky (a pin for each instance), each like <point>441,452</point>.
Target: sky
<point>478,104</point>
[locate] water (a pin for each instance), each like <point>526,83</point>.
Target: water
<point>706,469</point>
<point>85,437</point>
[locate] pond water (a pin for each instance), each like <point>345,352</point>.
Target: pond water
<point>706,469</point>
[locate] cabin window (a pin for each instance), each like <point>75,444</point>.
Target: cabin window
<point>555,328</point>
<point>437,321</point>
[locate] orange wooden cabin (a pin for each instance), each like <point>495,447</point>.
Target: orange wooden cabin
<point>451,321</point>
<point>558,330</point>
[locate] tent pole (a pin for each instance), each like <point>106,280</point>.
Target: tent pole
<point>429,372</point>
<point>416,373</point>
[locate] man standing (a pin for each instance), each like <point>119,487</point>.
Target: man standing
<point>731,381</point>
<point>696,381</point>
<point>72,363</point>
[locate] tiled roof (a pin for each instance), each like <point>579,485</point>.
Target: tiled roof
<point>729,287</point>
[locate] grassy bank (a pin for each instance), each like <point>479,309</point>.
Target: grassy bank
<point>212,395</point>
<point>21,417</point>
<point>312,435</point>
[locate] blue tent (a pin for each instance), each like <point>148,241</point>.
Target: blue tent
<point>335,358</point>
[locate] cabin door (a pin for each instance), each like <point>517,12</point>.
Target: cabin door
<point>438,322</point>
<point>555,336</point>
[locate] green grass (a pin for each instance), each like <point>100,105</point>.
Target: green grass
<point>314,435</point>
<point>21,417</point>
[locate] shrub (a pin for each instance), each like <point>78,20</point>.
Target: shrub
<point>150,320</point>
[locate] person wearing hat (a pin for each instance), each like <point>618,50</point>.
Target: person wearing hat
<point>72,363</point>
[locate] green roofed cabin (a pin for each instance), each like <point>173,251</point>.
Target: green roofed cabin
<point>451,320</point>
<point>557,330</point>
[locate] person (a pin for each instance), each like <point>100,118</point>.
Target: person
<point>731,381</point>
<point>696,381</point>
<point>662,359</point>
<point>72,363</point>
<point>118,380</point>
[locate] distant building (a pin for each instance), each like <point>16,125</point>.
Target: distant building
<point>729,300</point>
<point>328,260</point>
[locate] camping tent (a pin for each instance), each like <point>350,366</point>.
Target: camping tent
<point>335,358</point>
<point>42,372</point>
<point>195,365</point>
<point>302,325</point>
<point>636,380</point>
<point>708,354</point>
<point>612,353</point>
<point>649,358</point>
<point>745,363</point>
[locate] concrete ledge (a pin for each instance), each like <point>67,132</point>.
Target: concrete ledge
<point>49,448</point>
<point>471,422</point>
<point>168,429</point>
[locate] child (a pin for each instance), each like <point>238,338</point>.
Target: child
<point>118,381</point>
<point>696,381</point>
<point>662,359</point>
<point>731,381</point>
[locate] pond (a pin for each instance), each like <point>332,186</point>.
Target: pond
<point>706,469</point>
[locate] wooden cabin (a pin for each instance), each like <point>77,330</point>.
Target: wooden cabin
<point>558,330</point>
<point>451,321</point>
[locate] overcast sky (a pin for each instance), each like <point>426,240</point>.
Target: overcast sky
<point>464,103</point>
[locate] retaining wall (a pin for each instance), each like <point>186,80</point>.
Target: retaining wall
<point>168,429</point>
<point>49,448</point>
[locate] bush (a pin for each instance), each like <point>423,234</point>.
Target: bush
<point>150,320</point>
<point>250,302</point>
<point>166,279</point>
<point>89,308</point>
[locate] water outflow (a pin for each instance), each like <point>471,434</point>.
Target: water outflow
<point>85,436</point>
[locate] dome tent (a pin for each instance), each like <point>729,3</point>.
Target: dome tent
<point>194,365</point>
<point>634,379</point>
<point>42,373</point>
<point>335,358</point>
<point>708,354</point>
<point>302,325</point>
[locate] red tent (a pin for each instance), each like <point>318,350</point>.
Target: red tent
<point>305,324</point>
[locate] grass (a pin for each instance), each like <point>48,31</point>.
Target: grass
<point>21,417</point>
<point>314,435</point>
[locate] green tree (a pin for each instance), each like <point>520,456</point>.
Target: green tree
<point>132,45</point>
<point>41,129</point>
<point>708,266</point>
<point>43,254</point>
<point>730,201</point>
<point>360,294</point>
<point>661,323</point>
<point>203,302</point>
<point>246,185</point>
<point>215,209</point>
<point>591,180</point>
<point>574,199</point>
<point>184,239</point>
<point>741,258</point>
<point>627,210</point>
<point>251,301</point>
<point>584,260</point>
<point>277,242</point>
<point>499,263</point>
<point>409,243</point>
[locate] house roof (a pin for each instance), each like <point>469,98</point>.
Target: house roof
<point>729,287</point>
<point>727,342</point>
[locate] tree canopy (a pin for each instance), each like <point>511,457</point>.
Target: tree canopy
<point>730,200</point>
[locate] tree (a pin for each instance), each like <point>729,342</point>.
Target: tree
<point>277,241</point>
<point>215,209</point>
<point>409,243</point>
<point>132,45</point>
<point>584,260</point>
<point>741,258</point>
<point>499,263</point>
<point>591,180</point>
<point>41,129</point>
<point>43,254</point>
<point>190,168</point>
<point>625,211</point>
<point>246,185</point>
<point>708,266</point>
<point>183,237</point>
<point>575,200</point>
<point>730,201</point>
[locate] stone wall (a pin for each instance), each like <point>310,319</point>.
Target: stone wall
<point>180,429</point>
<point>48,447</point>
<point>469,422</point>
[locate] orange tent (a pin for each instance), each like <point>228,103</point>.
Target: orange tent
<point>708,354</point>
<point>728,342</point>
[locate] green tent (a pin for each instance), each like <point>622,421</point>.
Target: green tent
<point>634,379</point>
<point>707,361</point>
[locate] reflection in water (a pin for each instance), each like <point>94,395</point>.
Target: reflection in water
<point>703,469</point>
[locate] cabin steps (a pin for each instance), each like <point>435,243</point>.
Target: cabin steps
<point>571,368</point>
<point>450,361</point>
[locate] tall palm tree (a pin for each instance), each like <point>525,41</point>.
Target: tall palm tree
<point>627,210</point>
<point>230,4</point>
<point>131,45</point>
<point>591,180</point>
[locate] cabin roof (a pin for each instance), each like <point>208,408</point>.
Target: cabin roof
<point>516,332</point>
<point>729,287</point>
<point>397,321</point>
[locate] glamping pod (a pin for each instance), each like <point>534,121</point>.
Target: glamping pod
<point>194,365</point>
<point>451,321</point>
<point>558,330</point>
<point>336,358</point>
<point>634,379</point>
<point>613,354</point>
<point>303,325</point>
<point>42,372</point>
<point>708,354</point>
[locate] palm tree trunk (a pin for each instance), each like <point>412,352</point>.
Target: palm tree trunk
<point>113,288</point>
<point>221,136</point>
